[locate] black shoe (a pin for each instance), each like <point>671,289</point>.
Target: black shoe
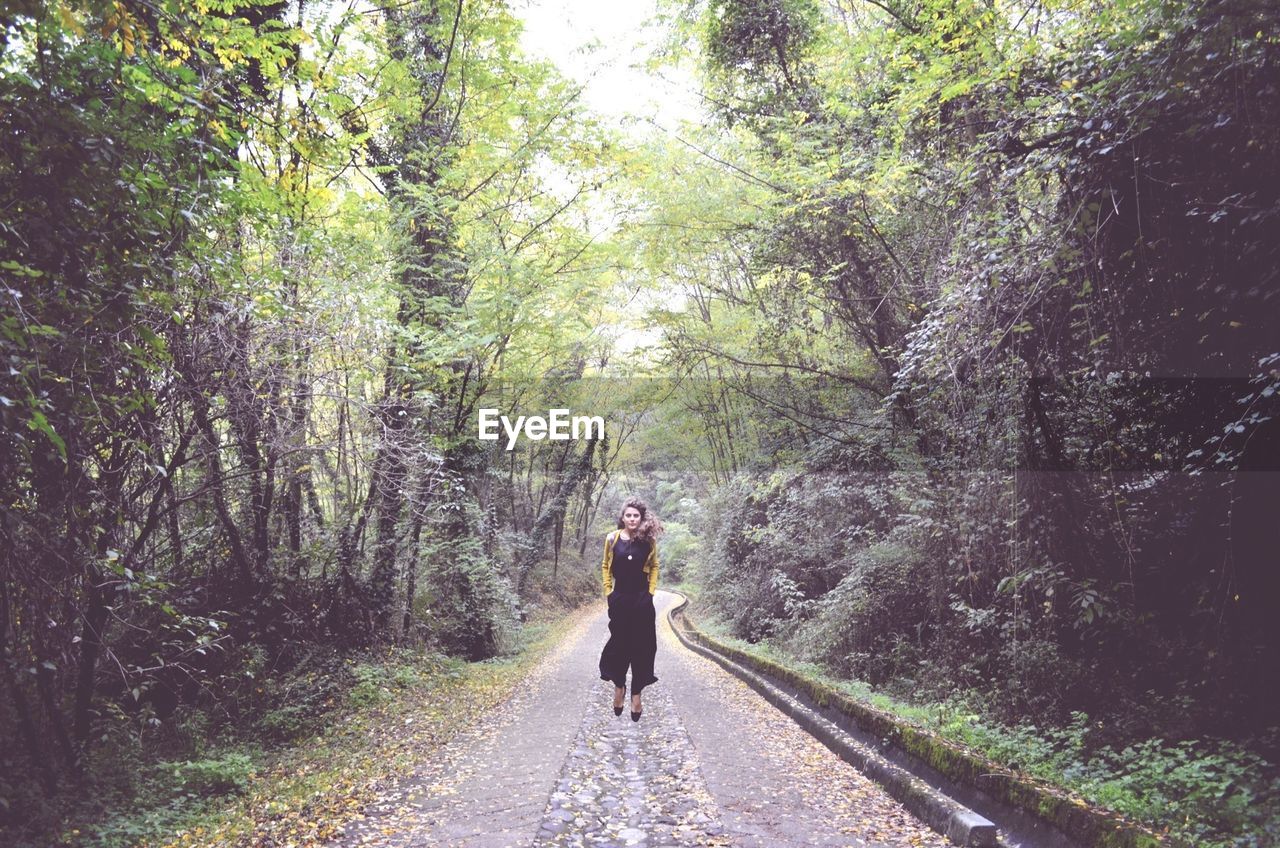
<point>617,711</point>
<point>635,716</point>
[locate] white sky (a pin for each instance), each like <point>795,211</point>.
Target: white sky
<point>604,43</point>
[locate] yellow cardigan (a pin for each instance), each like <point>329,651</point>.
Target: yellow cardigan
<point>650,564</point>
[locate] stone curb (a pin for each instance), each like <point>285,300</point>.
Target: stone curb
<point>945,815</point>
<point>1087,825</point>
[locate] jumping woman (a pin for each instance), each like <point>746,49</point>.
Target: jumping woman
<point>630,572</point>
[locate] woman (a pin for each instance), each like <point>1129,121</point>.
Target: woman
<point>630,572</point>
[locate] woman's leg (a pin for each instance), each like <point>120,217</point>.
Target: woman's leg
<point>613,657</point>
<point>644,647</point>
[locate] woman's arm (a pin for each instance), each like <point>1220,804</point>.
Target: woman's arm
<point>653,567</point>
<point>606,566</point>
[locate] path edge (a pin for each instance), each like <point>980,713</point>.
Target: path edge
<point>783,687</point>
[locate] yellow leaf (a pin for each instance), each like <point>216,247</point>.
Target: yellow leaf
<point>69,21</point>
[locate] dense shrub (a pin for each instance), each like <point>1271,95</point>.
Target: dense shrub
<point>466,600</point>
<point>230,772</point>
<point>868,626</point>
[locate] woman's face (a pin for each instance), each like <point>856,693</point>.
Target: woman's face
<point>630,518</point>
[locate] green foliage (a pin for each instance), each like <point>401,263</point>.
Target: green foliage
<point>230,772</point>
<point>680,548</point>
<point>286,723</point>
<point>1209,792</point>
<point>370,687</point>
<point>1208,789</point>
<point>470,607</point>
<point>377,683</point>
<point>757,49</point>
<point>868,626</point>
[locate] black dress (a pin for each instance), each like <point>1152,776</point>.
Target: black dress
<point>633,637</point>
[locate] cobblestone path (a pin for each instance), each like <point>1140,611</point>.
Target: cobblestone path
<point>631,784</point>
<point>710,763</point>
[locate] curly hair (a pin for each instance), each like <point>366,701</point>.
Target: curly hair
<point>650,528</point>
